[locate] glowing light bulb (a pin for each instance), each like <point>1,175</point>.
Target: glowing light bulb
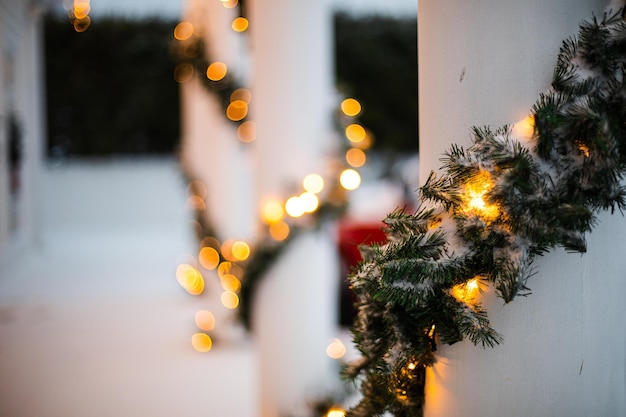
<point>183,31</point>
<point>294,207</point>
<point>190,279</point>
<point>355,157</point>
<point>216,71</point>
<point>466,291</point>
<point>272,211</point>
<point>229,300</point>
<point>279,231</point>
<point>355,132</point>
<point>313,183</point>
<point>336,349</point>
<point>246,132</point>
<point>240,24</point>
<point>525,128</point>
<point>209,258</point>
<point>350,107</point>
<point>475,191</point>
<point>242,94</point>
<point>240,250</point>
<point>237,110</point>
<point>201,342</point>
<point>309,202</point>
<point>205,320</point>
<point>350,179</point>
<point>336,412</point>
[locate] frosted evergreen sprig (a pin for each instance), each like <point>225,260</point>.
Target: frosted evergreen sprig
<point>497,205</point>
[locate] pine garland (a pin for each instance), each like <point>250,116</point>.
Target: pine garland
<point>498,204</point>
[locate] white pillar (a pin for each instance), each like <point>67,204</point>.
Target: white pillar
<point>485,62</point>
<point>29,106</point>
<point>295,312</point>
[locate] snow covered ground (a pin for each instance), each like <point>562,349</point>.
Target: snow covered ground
<point>92,320</point>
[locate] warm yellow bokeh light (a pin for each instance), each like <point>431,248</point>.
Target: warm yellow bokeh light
<point>237,110</point>
<point>309,202</point>
<point>216,71</point>
<point>201,342</point>
<point>229,300</point>
<point>246,132</point>
<point>272,211</point>
<point>183,72</point>
<point>240,250</point>
<point>294,206</point>
<point>242,94</point>
<point>366,143</point>
<point>205,320</point>
<point>336,349</point>
<point>355,132</point>
<point>474,195</point>
<point>230,4</point>
<point>350,179</point>
<point>525,128</point>
<point>356,157</point>
<point>194,202</point>
<point>240,24</point>
<point>313,183</point>
<point>209,258</point>
<point>336,412</point>
<point>350,107</point>
<point>183,31</point>
<point>466,291</point>
<point>279,231</point>
<point>224,268</point>
<point>227,249</point>
<point>81,25</point>
<point>81,9</point>
<point>197,187</point>
<point>190,279</point>
<point>230,282</point>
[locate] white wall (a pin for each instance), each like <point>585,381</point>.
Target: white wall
<point>484,62</point>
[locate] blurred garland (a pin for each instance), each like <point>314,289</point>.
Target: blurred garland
<point>192,51</point>
<point>509,197</point>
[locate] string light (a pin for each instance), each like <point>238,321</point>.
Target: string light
<point>466,291</point>
<point>78,13</point>
<point>474,195</point>
<point>355,132</point>
<point>205,320</point>
<point>240,24</point>
<point>313,183</point>
<point>190,279</point>
<point>350,107</point>
<point>201,342</point>
<point>336,412</point>
<point>183,31</point>
<point>336,349</point>
<point>350,179</point>
<point>355,157</point>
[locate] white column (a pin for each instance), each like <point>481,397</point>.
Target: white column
<point>485,62</point>
<point>210,148</point>
<point>295,312</point>
<point>29,106</point>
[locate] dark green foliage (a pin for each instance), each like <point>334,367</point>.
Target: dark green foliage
<point>376,62</point>
<point>537,193</point>
<point>110,89</point>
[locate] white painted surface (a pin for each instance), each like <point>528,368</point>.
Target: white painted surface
<point>564,353</point>
<point>295,313</point>
<point>93,322</point>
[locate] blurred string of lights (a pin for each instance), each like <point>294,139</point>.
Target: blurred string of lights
<point>78,13</point>
<point>240,265</point>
